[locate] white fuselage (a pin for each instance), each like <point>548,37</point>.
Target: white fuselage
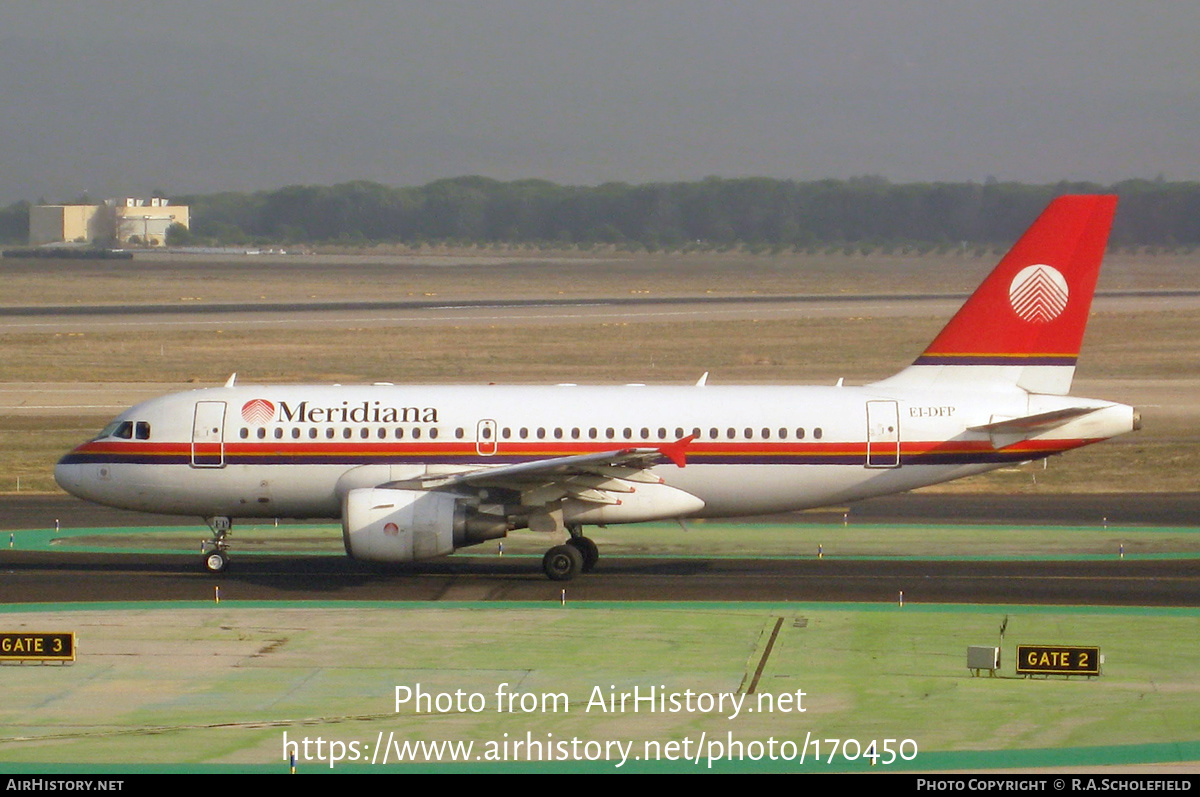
<point>295,451</point>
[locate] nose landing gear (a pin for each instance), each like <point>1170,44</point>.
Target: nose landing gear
<point>216,556</point>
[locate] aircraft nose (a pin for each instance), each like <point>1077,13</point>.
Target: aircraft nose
<point>68,475</point>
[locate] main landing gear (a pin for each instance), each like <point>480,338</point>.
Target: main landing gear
<point>216,556</point>
<point>578,555</point>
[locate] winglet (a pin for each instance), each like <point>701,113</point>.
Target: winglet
<point>676,452</point>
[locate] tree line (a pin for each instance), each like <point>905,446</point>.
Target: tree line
<point>715,212</point>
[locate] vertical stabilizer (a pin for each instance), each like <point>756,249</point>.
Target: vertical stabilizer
<point>1024,325</point>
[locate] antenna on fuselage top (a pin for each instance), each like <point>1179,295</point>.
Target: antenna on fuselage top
<point>703,380</point>
<point>231,380</point>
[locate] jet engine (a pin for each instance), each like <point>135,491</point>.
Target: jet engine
<point>383,525</point>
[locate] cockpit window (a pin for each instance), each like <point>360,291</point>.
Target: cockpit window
<point>141,430</point>
<point>121,429</point>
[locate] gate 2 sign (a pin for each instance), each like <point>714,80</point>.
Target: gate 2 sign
<point>1057,660</point>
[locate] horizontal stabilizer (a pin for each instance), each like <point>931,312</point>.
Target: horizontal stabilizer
<point>1010,431</point>
<point>1031,424</point>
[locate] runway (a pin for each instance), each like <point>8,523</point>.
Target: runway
<point>53,577</point>
<point>1160,509</point>
<point>56,578</point>
<point>387,313</point>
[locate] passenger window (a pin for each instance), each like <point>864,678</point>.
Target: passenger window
<point>800,434</point>
<point>312,433</point>
<point>817,433</point>
<point>416,432</point>
<point>433,433</point>
<point>347,432</point>
<point>278,433</point>
<point>243,433</point>
<point>262,433</point>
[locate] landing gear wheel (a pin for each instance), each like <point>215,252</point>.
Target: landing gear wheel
<point>216,562</point>
<point>215,557</point>
<point>562,562</point>
<point>589,551</point>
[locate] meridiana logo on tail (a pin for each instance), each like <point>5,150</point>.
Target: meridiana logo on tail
<point>1038,293</point>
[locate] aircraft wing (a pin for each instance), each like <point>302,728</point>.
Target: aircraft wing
<point>588,477</point>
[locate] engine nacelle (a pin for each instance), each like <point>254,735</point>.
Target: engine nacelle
<point>381,525</point>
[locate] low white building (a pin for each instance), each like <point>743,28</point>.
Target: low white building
<point>127,221</point>
<point>146,220</point>
<point>49,224</point>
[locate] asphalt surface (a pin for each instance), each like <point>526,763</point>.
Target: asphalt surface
<point>67,576</point>
<point>496,304</point>
<point>1090,509</point>
<point>66,318</point>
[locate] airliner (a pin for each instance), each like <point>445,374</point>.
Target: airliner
<point>415,472</point>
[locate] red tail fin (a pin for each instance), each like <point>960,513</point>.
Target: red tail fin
<point>1031,311</point>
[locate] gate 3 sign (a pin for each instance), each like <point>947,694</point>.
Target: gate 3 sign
<point>1057,660</point>
<point>37,646</point>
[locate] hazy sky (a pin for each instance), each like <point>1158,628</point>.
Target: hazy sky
<point>114,97</point>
